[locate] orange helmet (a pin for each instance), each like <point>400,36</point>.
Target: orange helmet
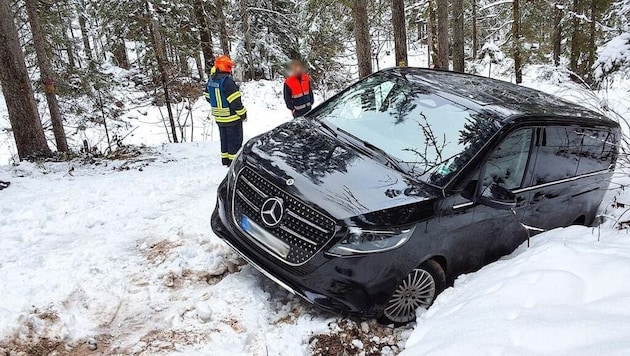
<point>224,64</point>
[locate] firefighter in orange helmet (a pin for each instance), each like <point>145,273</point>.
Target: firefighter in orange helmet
<point>227,108</point>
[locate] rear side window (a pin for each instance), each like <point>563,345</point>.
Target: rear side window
<point>598,150</point>
<point>558,154</point>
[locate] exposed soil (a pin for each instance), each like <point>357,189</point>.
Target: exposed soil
<point>348,338</point>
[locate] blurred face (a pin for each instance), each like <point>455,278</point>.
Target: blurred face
<point>296,68</point>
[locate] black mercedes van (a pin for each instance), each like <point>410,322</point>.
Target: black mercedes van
<point>376,200</point>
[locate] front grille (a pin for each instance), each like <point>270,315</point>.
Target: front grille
<point>302,228</point>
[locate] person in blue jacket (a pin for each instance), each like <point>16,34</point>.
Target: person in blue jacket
<point>228,111</point>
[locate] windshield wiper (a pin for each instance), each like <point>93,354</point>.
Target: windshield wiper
<point>327,128</point>
<point>374,149</point>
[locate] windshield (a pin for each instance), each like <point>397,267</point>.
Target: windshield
<point>430,136</point>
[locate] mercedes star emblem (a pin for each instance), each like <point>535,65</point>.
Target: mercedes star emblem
<point>272,212</point>
<point>290,181</point>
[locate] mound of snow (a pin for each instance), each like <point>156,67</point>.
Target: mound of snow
<point>567,294</point>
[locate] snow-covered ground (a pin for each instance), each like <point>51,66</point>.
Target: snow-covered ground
<point>119,254</point>
<point>568,294</point>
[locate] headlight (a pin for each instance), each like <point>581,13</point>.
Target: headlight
<point>359,241</point>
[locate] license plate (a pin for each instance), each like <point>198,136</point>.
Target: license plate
<point>245,225</point>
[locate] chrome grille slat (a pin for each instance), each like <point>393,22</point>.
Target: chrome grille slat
<point>252,205</point>
<point>305,221</point>
<point>297,235</point>
<point>254,188</point>
<point>303,228</point>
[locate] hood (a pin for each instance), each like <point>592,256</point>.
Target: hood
<point>330,174</point>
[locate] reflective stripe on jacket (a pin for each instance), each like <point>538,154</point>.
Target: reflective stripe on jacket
<point>298,95</point>
<point>225,98</point>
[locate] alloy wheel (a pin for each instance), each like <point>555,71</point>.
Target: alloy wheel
<point>417,290</point>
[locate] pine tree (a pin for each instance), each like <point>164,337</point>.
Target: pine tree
<point>442,34</point>
<point>221,23</point>
<point>400,32</point>
<point>516,41</point>
<point>205,36</point>
<point>458,35</point>
<point>362,37</point>
<point>47,76</point>
<point>17,90</point>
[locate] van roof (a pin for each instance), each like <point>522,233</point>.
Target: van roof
<point>503,100</point>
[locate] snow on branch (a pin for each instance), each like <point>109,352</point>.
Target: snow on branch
<point>613,56</point>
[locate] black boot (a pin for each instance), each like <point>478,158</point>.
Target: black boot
<point>226,161</point>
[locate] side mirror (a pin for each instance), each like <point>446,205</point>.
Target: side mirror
<point>469,190</point>
<point>499,198</point>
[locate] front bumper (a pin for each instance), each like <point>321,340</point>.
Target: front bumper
<point>355,286</point>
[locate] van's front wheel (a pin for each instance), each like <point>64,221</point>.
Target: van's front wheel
<point>417,290</point>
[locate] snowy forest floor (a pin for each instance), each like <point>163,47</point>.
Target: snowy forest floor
<point>107,256</point>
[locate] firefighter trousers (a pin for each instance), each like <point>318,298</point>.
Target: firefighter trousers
<point>231,141</point>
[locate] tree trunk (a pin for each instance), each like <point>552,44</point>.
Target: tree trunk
<point>458,35</point>
<point>248,38</point>
<point>475,41</point>
<point>204,31</point>
<point>557,34</point>
<point>362,37</point>
<point>575,39</point>
<point>592,39</point>
<point>432,35</point>
<point>46,74</point>
<point>223,34</point>
<point>442,34</point>
<point>87,48</point>
<point>400,32</point>
<point>17,90</point>
<point>66,39</point>
<point>119,51</point>
<point>199,65</point>
<point>516,38</point>
<point>160,55</point>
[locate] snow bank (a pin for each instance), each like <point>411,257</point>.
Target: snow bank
<point>567,294</point>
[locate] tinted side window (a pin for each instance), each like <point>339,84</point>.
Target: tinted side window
<point>558,154</point>
<point>598,150</point>
<point>507,164</point>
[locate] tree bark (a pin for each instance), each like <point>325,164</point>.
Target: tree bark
<point>400,32</point>
<point>87,48</point>
<point>362,37</point>
<point>247,38</point>
<point>17,90</point>
<point>223,34</point>
<point>575,39</point>
<point>119,50</point>
<point>516,38</point>
<point>160,55</point>
<point>432,35</point>
<point>442,35</point>
<point>557,33</point>
<point>199,65</point>
<point>458,35</point>
<point>46,74</point>
<point>66,39</point>
<point>592,39</point>
<point>204,31</point>
<point>475,40</point>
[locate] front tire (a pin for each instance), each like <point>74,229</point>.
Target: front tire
<point>417,290</point>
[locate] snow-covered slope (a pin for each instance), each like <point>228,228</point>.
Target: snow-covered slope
<point>566,295</point>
